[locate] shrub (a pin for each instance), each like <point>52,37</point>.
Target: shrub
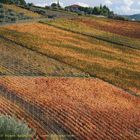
<point>1,6</point>
<point>2,16</point>
<point>13,129</point>
<point>21,2</point>
<point>2,10</point>
<point>12,13</point>
<point>51,16</point>
<point>10,16</point>
<point>10,10</point>
<point>13,18</point>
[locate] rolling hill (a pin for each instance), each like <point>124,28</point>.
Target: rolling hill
<point>99,56</point>
<point>74,76</point>
<point>134,17</point>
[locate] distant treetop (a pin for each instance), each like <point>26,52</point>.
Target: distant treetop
<point>20,2</point>
<point>101,10</point>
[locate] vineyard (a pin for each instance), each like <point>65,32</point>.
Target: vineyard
<point>80,108</point>
<point>129,29</point>
<point>122,33</point>
<point>116,64</point>
<point>17,60</point>
<point>70,76</point>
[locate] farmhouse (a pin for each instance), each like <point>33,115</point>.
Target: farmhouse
<point>73,8</point>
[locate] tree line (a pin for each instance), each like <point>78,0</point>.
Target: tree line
<point>20,2</point>
<point>97,10</point>
<point>101,10</point>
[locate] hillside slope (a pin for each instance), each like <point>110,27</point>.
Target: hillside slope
<point>134,17</point>
<point>10,13</point>
<point>16,59</point>
<point>86,109</point>
<point>21,10</point>
<point>113,63</point>
<point>122,33</point>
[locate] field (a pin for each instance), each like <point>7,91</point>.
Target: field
<point>83,108</point>
<point>18,60</point>
<point>123,33</point>
<point>73,76</point>
<point>116,64</point>
<point>125,28</point>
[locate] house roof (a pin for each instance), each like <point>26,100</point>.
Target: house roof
<point>74,6</point>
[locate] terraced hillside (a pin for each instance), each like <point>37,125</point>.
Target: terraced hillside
<point>86,109</point>
<point>124,33</point>
<point>103,106</point>
<point>111,62</point>
<point>18,60</point>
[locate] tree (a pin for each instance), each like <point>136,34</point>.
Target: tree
<point>53,5</point>
<point>99,10</point>
<point>20,2</point>
<point>96,11</point>
<point>30,4</point>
